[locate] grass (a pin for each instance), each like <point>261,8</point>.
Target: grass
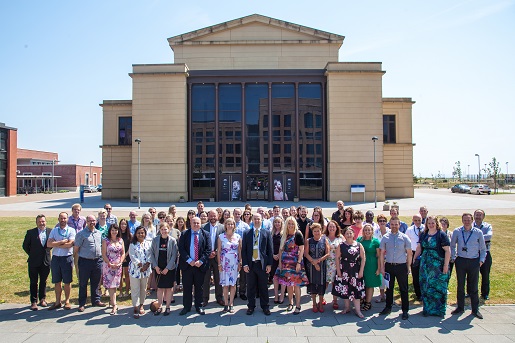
<point>14,281</point>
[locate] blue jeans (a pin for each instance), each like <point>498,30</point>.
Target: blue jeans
<point>89,270</point>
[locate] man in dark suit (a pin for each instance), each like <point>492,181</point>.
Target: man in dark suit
<point>194,251</point>
<point>213,228</point>
<point>35,245</point>
<point>257,255</point>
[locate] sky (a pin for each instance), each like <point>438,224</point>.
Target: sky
<point>60,59</point>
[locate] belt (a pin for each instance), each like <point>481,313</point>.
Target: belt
<point>395,264</point>
<point>91,259</point>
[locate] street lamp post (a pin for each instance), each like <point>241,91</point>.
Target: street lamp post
<point>478,167</point>
<point>90,175</point>
<point>374,139</point>
<point>506,181</point>
<point>468,171</point>
<point>137,140</point>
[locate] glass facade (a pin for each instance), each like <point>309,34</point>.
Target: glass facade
<point>256,140</point>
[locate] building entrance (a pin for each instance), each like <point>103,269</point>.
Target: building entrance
<point>257,187</point>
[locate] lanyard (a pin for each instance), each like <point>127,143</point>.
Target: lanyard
<point>65,232</point>
<point>463,235</point>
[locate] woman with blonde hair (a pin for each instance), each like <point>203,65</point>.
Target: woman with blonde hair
<point>290,271</point>
<point>148,224</point>
<point>229,262</point>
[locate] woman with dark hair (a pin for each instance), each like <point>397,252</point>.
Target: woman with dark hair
<point>317,217</point>
<point>179,226</point>
<point>247,217</point>
<point>277,233</point>
<point>220,212</point>
<point>113,251</point>
<point>358,218</point>
<point>349,283</point>
<point>434,249</point>
<point>225,215</point>
<point>444,224</point>
<point>334,236</point>
<point>126,237</point>
<point>191,214</point>
<point>316,252</point>
<point>139,269</point>
<point>347,218</point>
<point>203,217</point>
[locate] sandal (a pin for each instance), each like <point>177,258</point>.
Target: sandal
<point>141,310</point>
<point>321,307</point>
<point>335,304</point>
<point>136,313</point>
<point>231,309</point>
<point>167,312</point>
<point>359,314</point>
<point>114,310</point>
<point>366,306</point>
<point>315,308</point>
<point>297,310</point>
<point>226,309</point>
<point>344,311</point>
<point>381,300</point>
<point>289,308</point>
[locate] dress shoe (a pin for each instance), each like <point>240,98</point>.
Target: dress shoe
<point>243,297</point>
<point>201,311</point>
<point>100,304</point>
<point>405,315</point>
<point>485,297</point>
<point>467,295</point>
<point>81,308</point>
<point>266,311</point>
<point>204,304</point>
<point>477,314</point>
<point>386,311</point>
<point>250,311</point>
<point>184,311</point>
<point>43,303</point>
<point>55,306</point>
<point>34,307</point>
<point>457,311</point>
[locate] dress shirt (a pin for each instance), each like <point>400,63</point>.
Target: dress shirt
<point>395,246</point>
<point>133,226</point>
<point>241,227</point>
<point>42,236</point>
<point>89,243</point>
<point>375,226</point>
<point>59,234</point>
<point>212,234</point>
<point>110,220</point>
<point>77,224</point>
<point>192,246</point>
<point>413,233</point>
<point>470,244</point>
<point>255,245</point>
<point>486,229</point>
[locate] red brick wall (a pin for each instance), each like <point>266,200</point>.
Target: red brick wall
<point>38,155</point>
<point>71,175</point>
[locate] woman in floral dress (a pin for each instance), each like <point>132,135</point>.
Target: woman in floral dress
<point>334,237</point>
<point>229,262</point>
<point>349,283</point>
<point>434,246</point>
<point>112,252</point>
<point>290,271</point>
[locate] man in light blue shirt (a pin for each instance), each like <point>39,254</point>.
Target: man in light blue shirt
<point>486,229</point>
<point>133,222</point>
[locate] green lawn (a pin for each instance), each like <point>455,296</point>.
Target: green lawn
<point>14,282</point>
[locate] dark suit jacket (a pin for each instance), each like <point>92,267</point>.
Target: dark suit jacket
<point>38,254</point>
<point>265,247</point>
<point>204,249</point>
<point>219,230</point>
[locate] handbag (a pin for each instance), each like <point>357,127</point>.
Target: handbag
<point>154,305</point>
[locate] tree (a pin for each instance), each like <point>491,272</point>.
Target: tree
<point>493,170</point>
<point>456,170</point>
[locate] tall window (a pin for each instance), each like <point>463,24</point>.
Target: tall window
<point>125,131</point>
<point>389,129</point>
<point>203,140</point>
<point>229,128</point>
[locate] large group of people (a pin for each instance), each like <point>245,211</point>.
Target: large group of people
<point>242,252</point>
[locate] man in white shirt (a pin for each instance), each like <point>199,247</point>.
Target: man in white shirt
<point>213,229</point>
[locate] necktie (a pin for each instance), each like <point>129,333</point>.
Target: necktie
<point>255,253</point>
<point>195,246</point>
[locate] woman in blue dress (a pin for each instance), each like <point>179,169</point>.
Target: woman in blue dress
<point>434,249</point>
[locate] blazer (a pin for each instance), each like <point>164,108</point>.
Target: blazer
<point>204,249</point>
<point>171,252</point>
<point>266,251</point>
<point>219,230</point>
<point>38,254</point>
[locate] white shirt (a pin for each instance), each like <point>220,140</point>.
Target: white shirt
<point>413,233</point>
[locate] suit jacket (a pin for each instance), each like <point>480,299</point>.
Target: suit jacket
<point>171,252</point>
<point>219,230</point>
<point>265,247</point>
<point>204,249</point>
<point>38,254</point>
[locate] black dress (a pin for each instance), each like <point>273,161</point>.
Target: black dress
<point>276,242</point>
<point>126,244</point>
<point>350,285</point>
<point>317,278</point>
<point>165,281</point>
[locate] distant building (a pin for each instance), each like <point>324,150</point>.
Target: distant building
<point>257,108</point>
<point>8,144</point>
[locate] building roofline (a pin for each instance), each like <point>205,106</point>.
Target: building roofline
<point>408,100</point>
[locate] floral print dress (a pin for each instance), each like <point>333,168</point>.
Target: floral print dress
<point>111,276</point>
<point>229,259</point>
<point>140,253</point>
<point>331,260</point>
<point>350,285</point>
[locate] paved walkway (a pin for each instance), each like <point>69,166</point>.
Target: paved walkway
<point>19,324</point>
<point>439,201</point>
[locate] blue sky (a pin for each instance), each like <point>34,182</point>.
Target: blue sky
<point>60,59</point>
